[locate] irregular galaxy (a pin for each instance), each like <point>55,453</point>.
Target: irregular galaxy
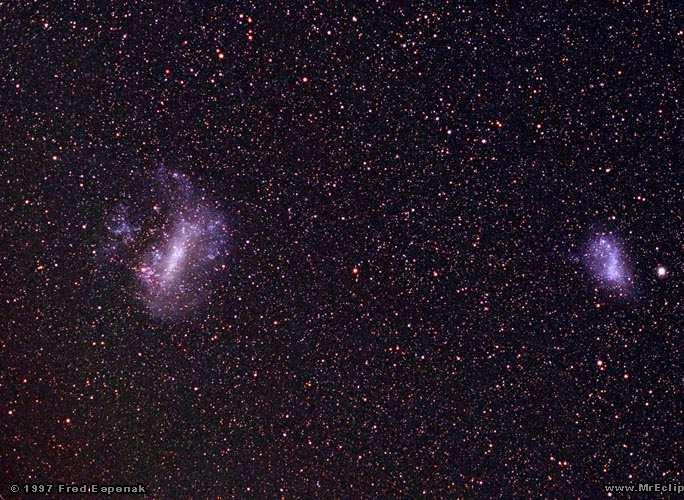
<point>174,244</point>
<point>606,261</point>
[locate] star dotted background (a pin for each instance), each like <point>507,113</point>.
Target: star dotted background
<point>405,306</point>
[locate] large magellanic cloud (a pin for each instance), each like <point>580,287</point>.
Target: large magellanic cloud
<point>175,245</point>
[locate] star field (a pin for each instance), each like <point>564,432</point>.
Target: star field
<point>296,250</point>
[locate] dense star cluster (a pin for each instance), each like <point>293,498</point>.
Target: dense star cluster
<point>296,250</point>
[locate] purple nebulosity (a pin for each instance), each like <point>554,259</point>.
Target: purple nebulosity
<point>606,260</point>
<point>121,232</point>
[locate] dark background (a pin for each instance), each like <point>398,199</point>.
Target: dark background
<point>409,189</point>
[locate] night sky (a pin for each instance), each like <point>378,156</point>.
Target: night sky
<point>326,250</point>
